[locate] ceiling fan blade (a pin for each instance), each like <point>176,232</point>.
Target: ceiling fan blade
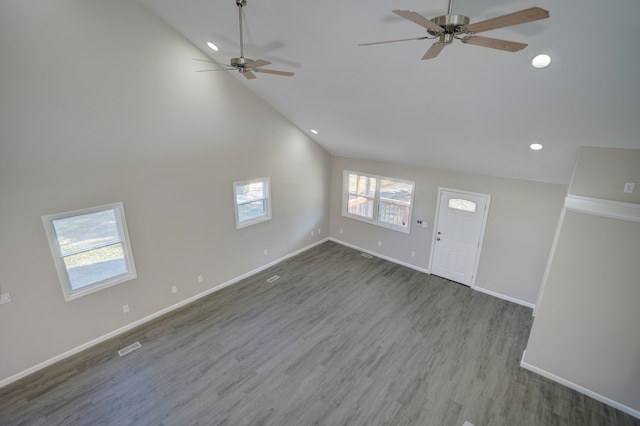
<point>434,50</point>
<point>210,62</point>
<point>219,69</point>
<point>257,63</point>
<point>285,73</point>
<point>204,60</point>
<point>494,43</point>
<point>515,18</point>
<point>419,19</point>
<point>248,75</point>
<point>393,41</point>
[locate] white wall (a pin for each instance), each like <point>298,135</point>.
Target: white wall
<point>602,173</point>
<point>520,227</point>
<point>585,333</point>
<point>100,102</point>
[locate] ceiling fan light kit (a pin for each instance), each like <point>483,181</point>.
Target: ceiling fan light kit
<point>245,66</point>
<point>448,27</point>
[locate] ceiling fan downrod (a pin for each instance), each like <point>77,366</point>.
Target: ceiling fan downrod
<point>240,4</point>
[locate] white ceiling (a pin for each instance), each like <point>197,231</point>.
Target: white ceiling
<point>471,109</point>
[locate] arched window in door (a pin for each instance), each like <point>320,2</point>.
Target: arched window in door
<point>461,204</point>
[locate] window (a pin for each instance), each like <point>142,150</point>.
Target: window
<point>90,249</point>
<point>252,202</point>
<point>379,200</point>
<point>461,204</point>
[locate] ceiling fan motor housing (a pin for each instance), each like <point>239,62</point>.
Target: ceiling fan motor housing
<point>240,62</point>
<point>451,23</point>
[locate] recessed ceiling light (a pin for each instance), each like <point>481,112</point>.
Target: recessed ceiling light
<point>314,131</point>
<point>535,146</point>
<point>541,61</point>
<point>212,46</point>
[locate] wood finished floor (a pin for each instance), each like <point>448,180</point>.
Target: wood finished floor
<point>337,340</point>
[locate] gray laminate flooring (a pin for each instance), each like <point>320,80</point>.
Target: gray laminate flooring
<point>338,340</point>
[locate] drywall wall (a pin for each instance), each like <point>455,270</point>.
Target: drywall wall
<point>99,103</point>
<point>585,331</point>
<point>522,220</point>
<point>603,172</point>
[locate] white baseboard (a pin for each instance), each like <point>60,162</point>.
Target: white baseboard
<point>503,297</point>
<point>381,256</point>
<point>618,406</point>
<point>114,333</point>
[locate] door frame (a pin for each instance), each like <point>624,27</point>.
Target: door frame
<point>476,261</point>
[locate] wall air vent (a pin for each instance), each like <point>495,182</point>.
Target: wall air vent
<point>366,255</point>
<point>273,278</point>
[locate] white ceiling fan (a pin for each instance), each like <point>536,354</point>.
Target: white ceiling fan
<point>448,27</point>
<point>245,66</point>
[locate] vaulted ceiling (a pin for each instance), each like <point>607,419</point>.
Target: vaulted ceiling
<point>471,109</point>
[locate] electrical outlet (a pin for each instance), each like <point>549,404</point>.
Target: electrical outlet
<point>174,289</point>
<point>341,230</point>
<point>319,231</point>
<point>200,278</point>
<point>125,308</point>
<point>5,298</point>
<point>413,254</point>
<point>629,187</point>
<point>265,252</point>
<point>312,233</point>
<point>379,243</point>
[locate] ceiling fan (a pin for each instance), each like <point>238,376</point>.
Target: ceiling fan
<point>448,27</point>
<point>245,66</point>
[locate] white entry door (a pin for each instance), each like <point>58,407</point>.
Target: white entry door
<point>459,228</point>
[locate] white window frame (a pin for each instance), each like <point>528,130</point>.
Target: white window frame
<point>58,257</point>
<point>266,181</point>
<point>376,201</point>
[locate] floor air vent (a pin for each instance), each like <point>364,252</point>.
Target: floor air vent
<point>129,348</point>
<point>273,278</point>
<point>367,255</point>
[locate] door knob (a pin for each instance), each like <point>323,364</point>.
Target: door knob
<point>438,239</point>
